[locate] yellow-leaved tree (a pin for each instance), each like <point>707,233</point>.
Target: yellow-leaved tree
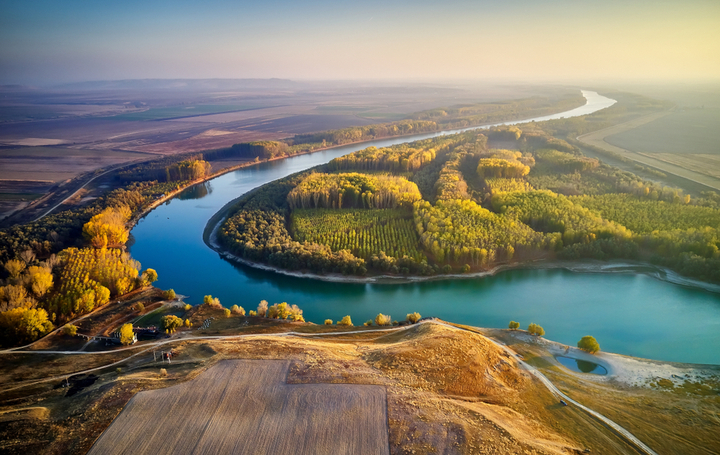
<point>108,227</point>
<point>126,334</point>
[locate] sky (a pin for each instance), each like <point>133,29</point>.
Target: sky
<point>44,42</point>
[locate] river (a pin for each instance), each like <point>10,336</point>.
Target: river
<point>629,313</point>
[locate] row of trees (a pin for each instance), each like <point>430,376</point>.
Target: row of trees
<point>566,163</point>
<point>188,170</point>
<point>353,190</point>
<point>501,168</point>
<point>406,157</point>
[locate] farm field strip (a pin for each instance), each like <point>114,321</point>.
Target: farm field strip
<point>245,406</point>
<point>597,139</point>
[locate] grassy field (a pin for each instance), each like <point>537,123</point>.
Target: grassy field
<point>245,406</point>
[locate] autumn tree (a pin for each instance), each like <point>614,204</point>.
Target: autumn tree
<point>238,310</point>
<point>346,321</point>
<point>70,330</point>
<point>383,319</point>
<point>328,322</point>
<point>589,344</point>
<point>149,276</point>
<point>212,302</point>
<point>126,334</point>
<point>169,294</point>
<point>108,228</point>
<point>413,317</point>
<point>514,325</point>
<point>227,312</point>
<point>262,308</point>
<point>14,267</point>
<point>170,322</point>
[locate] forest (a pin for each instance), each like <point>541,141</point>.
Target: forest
<point>456,204</point>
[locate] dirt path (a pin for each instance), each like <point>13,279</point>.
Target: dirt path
<point>597,139</point>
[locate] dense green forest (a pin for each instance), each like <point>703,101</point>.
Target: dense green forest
<point>475,206</point>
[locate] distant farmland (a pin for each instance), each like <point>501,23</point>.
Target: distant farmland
<point>687,138</point>
<point>245,407</point>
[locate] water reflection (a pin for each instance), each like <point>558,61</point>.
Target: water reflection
<point>198,191</point>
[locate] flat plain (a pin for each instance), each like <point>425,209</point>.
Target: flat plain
<point>687,138</point>
<point>245,406</point>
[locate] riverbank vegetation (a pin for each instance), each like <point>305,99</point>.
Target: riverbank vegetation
<point>475,207</point>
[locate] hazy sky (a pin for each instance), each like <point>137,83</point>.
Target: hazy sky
<point>49,41</point>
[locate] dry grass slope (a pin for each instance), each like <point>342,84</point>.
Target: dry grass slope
<point>246,407</point>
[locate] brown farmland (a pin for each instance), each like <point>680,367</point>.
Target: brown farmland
<point>245,406</point>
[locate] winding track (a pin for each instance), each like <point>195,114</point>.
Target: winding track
<point>622,432</point>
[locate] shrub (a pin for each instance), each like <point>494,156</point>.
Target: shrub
<point>346,321</point>
<point>238,310</point>
<point>187,307</point>
<point>188,323</point>
<point>70,330</point>
<point>589,344</point>
<point>383,319</point>
<point>227,312</point>
<point>163,372</point>
<point>169,294</point>
<point>368,323</point>
<point>212,302</point>
<point>535,329</point>
<point>140,308</point>
<point>514,325</point>
<point>328,322</point>
<point>253,313</point>
<point>413,317</point>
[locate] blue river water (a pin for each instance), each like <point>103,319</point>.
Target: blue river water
<point>628,313</point>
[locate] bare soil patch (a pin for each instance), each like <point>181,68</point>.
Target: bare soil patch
<point>245,406</point>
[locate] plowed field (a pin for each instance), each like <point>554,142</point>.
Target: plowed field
<point>246,407</point>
